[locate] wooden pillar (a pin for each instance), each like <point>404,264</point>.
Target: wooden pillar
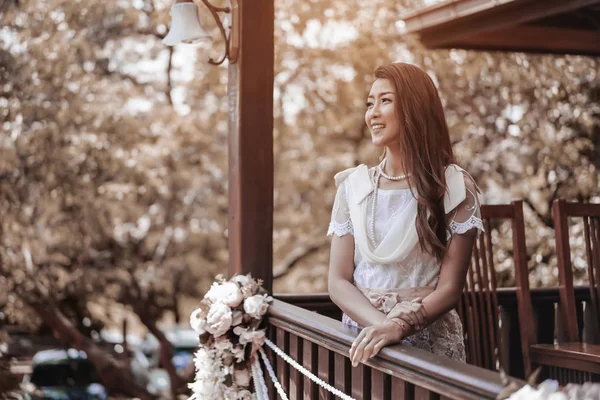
<point>250,92</point>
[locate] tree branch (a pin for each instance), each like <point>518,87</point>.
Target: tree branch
<point>169,81</point>
<point>545,219</point>
<point>297,255</point>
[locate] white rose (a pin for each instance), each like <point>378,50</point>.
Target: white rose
<point>241,377</point>
<point>227,293</point>
<point>256,306</point>
<point>219,319</point>
<point>197,322</point>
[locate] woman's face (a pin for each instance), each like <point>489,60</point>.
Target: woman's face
<point>381,117</point>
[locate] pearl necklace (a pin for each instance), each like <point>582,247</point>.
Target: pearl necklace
<point>389,177</point>
<point>372,225</point>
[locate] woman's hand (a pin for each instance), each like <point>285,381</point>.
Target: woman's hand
<point>411,312</point>
<point>372,338</point>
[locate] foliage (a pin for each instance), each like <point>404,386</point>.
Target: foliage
<point>113,157</point>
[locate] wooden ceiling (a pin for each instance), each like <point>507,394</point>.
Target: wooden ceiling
<point>534,26</point>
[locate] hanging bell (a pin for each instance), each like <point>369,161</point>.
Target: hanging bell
<point>185,25</point>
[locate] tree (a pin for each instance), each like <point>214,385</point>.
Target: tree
<point>113,157</point>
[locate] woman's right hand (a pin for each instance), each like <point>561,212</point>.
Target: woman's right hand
<point>411,312</point>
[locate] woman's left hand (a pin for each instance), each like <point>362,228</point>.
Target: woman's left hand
<point>371,340</point>
<point>412,312</point>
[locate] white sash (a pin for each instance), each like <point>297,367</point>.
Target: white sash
<point>402,237</point>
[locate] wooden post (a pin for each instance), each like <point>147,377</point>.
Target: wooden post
<point>250,92</point>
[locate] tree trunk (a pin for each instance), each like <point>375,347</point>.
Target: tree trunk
<point>165,352</point>
<point>114,374</point>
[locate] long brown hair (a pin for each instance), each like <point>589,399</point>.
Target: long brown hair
<point>426,149</point>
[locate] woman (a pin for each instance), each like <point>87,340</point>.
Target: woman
<point>403,231</point>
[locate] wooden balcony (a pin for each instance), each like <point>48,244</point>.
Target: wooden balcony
<point>320,342</point>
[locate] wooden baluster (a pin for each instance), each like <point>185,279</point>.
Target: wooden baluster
<point>423,394</point>
<point>272,334</point>
<point>476,338</point>
<point>402,390</point>
<point>596,267</point>
<point>296,378</point>
<point>283,368</point>
<point>342,372</point>
<point>489,292</point>
<point>325,372</point>
<point>380,385</point>
<point>592,246</point>
<point>309,361</point>
<point>469,324</point>
<point>361,382</point>
<point>481,317</point>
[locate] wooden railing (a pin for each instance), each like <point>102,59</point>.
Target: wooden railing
<point>321,344</point>
<point>544,303</point>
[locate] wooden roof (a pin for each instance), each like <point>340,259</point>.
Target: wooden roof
<point>535,26</point>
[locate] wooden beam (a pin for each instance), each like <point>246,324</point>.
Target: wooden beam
<point>250,141</point>
<point>454,20</point>
<point>531,39</point>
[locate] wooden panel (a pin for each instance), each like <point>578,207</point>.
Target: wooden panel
<point>380,385</point>
<point>523,292</point>
<point>402,390</point>
<point>424,394</point>
<point>565,272</point>
<point>325,372</point>
<point>492,25</point>
<point>533,39</point>
<point>342,373</point>
<point>250,145</point>
<point>296,378</point>
<point>469,17</point>
<point>309,361</point>
<point>361,382</point>
<point>272,334</point>
<point>283,368</point>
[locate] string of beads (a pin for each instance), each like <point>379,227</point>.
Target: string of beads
<point>307,373</point>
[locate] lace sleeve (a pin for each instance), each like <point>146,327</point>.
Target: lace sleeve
<point>340,217</point>
<point>467,214</point>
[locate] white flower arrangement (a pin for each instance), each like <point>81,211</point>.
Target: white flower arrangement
<point>229,321</point>
<point>550,390</point>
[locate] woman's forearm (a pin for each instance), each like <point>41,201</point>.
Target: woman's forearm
<point>440,301</point>
<point>354,303</point>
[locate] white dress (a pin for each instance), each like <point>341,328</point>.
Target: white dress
<point>419,268</point>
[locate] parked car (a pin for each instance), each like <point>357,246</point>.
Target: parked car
<point>64,374</point>
<point>185,342</point>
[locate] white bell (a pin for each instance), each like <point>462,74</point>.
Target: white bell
<point>185,26</point>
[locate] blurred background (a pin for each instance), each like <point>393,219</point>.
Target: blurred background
<point>113,163</point>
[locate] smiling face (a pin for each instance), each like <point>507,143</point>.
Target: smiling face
<point>381,116</point>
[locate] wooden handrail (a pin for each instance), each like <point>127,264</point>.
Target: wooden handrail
<point>435,373</point>
<point>506,296</point>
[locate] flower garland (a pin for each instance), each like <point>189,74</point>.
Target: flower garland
<point>229,321</point>
<point>550,390</point>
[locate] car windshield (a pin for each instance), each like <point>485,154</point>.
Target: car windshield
<point>64,374</point>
